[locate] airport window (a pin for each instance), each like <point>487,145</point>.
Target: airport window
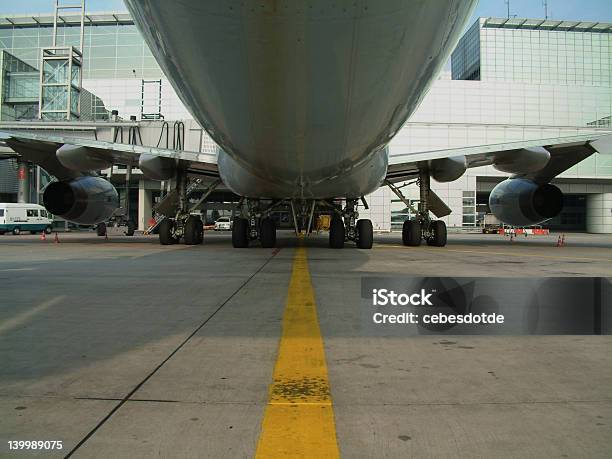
<point>32,213</point>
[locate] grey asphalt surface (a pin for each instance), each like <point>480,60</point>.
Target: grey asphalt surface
<point>125,348</point>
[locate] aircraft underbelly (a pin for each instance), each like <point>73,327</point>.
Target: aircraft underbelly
<point>301,93</point>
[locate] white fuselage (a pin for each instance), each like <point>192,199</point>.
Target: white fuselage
<point>301,96</point>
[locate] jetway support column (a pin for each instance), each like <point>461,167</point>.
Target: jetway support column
<point>23,179</point>
<point>145,206</point>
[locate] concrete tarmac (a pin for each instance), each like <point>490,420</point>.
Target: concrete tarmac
<point>125,348</point>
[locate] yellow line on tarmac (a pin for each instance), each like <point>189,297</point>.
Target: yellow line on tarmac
<point>299,417</point>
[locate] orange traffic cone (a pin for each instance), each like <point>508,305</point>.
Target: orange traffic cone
<point>43,236</point>
<point>56,240</point>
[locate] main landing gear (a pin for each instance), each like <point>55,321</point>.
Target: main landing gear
<point>184,225</point>
<point>189,227</point>
<point>255,223</point>
<point>345,226</point>
<point>422,227</point>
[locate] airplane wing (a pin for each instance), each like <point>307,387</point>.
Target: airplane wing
<point>565,152</point>
<point>41,149</point>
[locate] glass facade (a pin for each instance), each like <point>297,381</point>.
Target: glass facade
<point>113,46</point>
<point>465,61</point>
<point>546,52</point>
<point>115,59</point>
<point>19,84</point>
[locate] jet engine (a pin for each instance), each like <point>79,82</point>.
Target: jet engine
<point>84,200</point>
<point>521,202</point>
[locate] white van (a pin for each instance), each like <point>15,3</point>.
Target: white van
<point>24,217</point>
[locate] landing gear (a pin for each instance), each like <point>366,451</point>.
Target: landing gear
<point>240,233</point>
<point>254,223</point>
<point>345,226</point>
<point>336,233</point>
<point>422,226</point>
<point>411,233</point>
<point>101,229</point>
<point>185,224</point>
<point>437,234</point>
<point>130,228</point>
<point>267,233</point>
<point>365,234</point>
<point>193,230</point>
<point>166,232</point>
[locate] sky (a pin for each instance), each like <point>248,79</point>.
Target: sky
<point>584,10</point>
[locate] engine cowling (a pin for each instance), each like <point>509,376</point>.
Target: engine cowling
<point>447,169</point>
<point>84,200</point>
<point>157,167</point>
<point>79,158</point>
<point>521,202</point>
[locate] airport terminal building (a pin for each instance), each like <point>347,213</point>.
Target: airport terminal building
<point>509,80</point>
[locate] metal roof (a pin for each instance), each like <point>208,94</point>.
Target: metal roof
<point>547,24</point>
<point>29,20</point>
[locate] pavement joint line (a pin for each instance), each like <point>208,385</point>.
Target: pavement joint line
<point>518,254</point>
<point>299,416</point>
<point>172,354</point>
<point>336,404</point>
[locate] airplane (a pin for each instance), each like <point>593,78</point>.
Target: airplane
<point>303,98</point>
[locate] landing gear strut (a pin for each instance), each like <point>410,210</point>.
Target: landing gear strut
<point>255,222</point>
<point>345,225</point>
<point>422,227</point>
<point>433,231</point>
<point>184,225</point>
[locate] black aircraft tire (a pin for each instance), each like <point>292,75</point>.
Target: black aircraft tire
<point>200,230</point>
<point>191,232</point>
<point>240,233</point>
<point>165,232</point>
<point>411,233</point>
<point>365,234</point>
<point>267,233</point>
<point>101,229</point>
<point>438,234</point>
<point>336,233</point>
<point>131,228</point>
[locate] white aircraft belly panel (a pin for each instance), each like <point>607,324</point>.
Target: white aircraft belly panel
<point>301,91</point>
